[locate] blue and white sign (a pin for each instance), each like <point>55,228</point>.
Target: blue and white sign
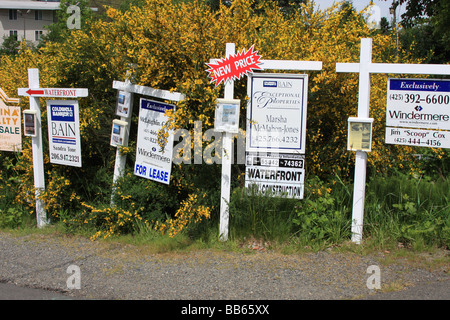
<point>414,106</point>
<point>152,161</point>
<point>64,132</point>
<point>418,103</point>
<point>276,112</point>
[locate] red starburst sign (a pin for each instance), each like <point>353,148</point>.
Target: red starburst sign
<point>234,66</point>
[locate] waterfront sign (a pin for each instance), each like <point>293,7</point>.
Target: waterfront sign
<point>278,174</point>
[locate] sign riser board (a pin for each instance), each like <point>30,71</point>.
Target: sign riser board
<point>418,137</point>
<point>281,174</point>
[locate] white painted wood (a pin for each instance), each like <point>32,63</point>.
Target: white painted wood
<point>365,67</point>
<point>38,158</point>
<point>148,91</point>
<point>227,153</point>
<point>397,68</point>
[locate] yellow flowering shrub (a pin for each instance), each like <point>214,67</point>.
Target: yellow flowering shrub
<point>169,44</point>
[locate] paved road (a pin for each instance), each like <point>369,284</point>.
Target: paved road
<point>438,290</point>
<point>9,291</point>
<point>114,271</point>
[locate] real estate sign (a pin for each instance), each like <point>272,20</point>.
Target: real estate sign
<point>10,128</point>
<point>152,161</point>
<point>64,132</point>
<point>280,174</point>
<point>276,112</point>
<point>418,104</point>
<point>276,133</point>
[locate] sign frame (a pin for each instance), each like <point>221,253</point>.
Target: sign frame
<point>277,121</point>
<point>152,163</point>
<point>68,147</point>
<point>357,138</point>
<point>227,121</point>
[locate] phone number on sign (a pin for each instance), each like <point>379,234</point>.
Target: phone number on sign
<point>418,142</point>
<point>65,157</point>
<point>417,98</point>
<point>275,139</point>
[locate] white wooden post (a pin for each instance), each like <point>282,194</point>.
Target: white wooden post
<point>359,190</point>
<point>121,159</point>
<point>365,67</point>
<point>38,157</point>
<point>227,153</point>
<point>127,86</point>
<point>227,141</point>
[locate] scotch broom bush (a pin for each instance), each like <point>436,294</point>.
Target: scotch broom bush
<point>168,44</point>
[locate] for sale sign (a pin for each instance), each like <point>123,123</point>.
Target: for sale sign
<point>152,161</point>
<point>234,66</point>
<point>10,128</point>
<point>64,132</point>
<point>414,106</point>
<point>418,103</point>
<point>276,112</point>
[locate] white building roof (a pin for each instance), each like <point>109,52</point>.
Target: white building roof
<point>33,5</point>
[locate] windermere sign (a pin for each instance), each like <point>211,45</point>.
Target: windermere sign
<point>418,104</point>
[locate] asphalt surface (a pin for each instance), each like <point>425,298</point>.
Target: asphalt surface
<point>36,267</point>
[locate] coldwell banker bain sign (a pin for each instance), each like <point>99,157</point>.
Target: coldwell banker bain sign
<point>276,133</point>
<point>153,162</point>
<point>64,132</point>
<point>418,105</point>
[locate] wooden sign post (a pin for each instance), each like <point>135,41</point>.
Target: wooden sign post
<point>34,92</point>
<point>365,67</point>
<point>131,89</point>
<point>228,137</point>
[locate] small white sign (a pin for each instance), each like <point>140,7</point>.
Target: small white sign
<point>53,92</point>
<point>418,137</point>
<point>64,132</point>
<point>282,174</point>
<point>227,115</point>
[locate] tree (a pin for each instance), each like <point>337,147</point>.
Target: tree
<point>427,23</point>
<point>10,46</point>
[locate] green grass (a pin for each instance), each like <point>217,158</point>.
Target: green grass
<point>400,211</point>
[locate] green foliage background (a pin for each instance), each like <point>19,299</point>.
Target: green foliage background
<point>169,44</point>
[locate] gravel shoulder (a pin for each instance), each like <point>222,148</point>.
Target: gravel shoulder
<point>114,271</point>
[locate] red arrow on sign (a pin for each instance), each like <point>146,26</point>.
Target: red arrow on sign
<point>31,92</point>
